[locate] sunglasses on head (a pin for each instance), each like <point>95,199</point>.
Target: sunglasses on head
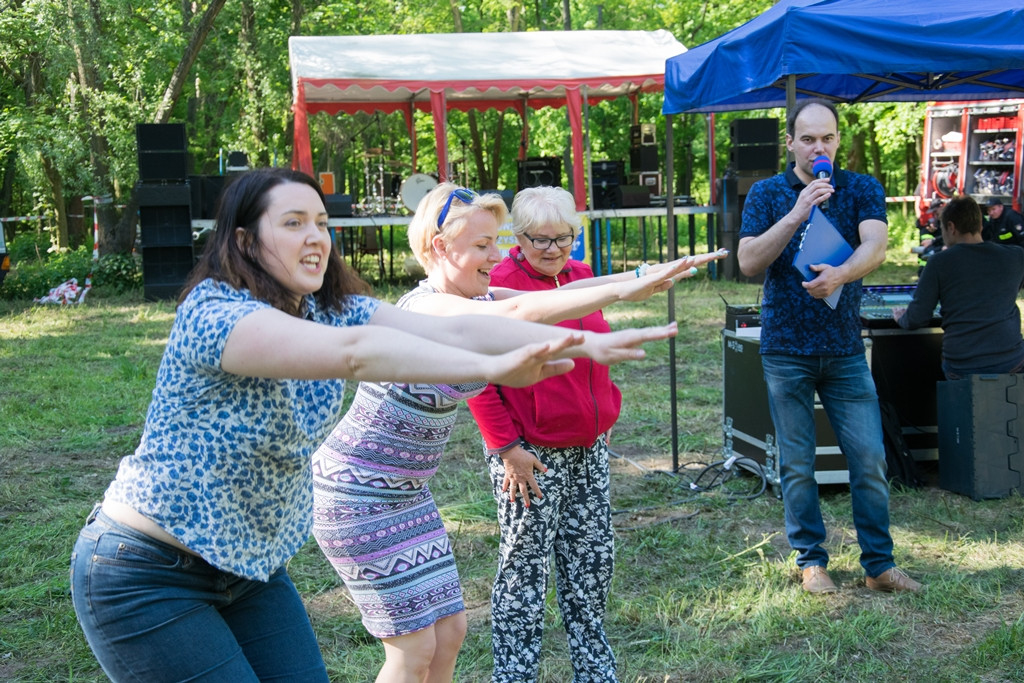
<point>463,195</point>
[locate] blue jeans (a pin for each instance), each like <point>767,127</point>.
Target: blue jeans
<point>154,613</point>
<point>847,393</point>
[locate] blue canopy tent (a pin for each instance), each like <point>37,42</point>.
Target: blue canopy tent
<point>847,51</point>
<point>854,51</point>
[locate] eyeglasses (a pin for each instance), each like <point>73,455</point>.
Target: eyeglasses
<point>463,195</point>
<point>542,243</point>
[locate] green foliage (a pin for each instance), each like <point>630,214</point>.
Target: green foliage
<point>118,273</point>
<point>238,93</point>
<point>36,268</point>
<point>31,279</point>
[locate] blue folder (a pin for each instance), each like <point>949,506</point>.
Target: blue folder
<point>821,243</point>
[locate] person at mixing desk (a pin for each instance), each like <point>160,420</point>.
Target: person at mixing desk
<point>976,283</point>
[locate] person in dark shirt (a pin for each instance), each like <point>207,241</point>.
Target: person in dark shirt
<point>1004,225</point>
<point>976,283</point>
<point>808,347</point>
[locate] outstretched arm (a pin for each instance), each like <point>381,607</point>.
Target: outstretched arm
<point>572,300</point>
<point>269,343</point>
<point>689,263</point>
<point>403,346</point>
<point>485,334</point>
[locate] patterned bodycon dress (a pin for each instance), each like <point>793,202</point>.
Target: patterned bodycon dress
<point>373,514</point>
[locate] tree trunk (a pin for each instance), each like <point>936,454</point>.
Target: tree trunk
<point>56,183</point>
<point>876,156</point>
<point>113,237</point>
<point>254,106</point>
<point>188,58</point>
<point>478,149</point>
<point>499,130</point>
<point>7,185</point>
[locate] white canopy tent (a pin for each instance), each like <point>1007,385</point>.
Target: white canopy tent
<point>438,72</point>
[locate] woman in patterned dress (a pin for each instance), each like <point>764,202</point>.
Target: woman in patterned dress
<point>374,516</point>
<point>180,573</point>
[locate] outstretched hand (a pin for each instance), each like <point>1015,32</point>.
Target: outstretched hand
<point>535,362</point>
<point>615,347</point>
<point>662,276</point>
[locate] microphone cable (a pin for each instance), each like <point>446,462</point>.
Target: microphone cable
<point>706,478</point>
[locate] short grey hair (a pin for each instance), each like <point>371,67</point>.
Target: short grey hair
<point>534,207</point>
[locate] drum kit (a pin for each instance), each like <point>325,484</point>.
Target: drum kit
<point>385,191</point>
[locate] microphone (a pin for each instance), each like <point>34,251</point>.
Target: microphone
<point>822,168</point>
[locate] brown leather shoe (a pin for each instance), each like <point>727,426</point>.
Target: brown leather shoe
<point>893,580</point>
<point>816,580</point>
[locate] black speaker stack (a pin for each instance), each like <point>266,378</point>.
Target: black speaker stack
<point>979,435</point>
<point>754,155</point>
<point>165,200</point>
<point>607,176</point>
<point>643,149</point>
<point>540,171</point>
<point>644,173</point>
<point>755,146</point>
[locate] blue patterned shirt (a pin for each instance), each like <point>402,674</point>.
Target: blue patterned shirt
<point>223,464</point>
<point>792,321</point>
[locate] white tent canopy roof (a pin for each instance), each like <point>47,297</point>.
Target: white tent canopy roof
<point>370,72</point>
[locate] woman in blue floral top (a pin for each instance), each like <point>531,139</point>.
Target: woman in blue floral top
<point>180,573</point>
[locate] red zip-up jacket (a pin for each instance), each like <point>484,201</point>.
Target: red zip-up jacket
<point>563,411</point>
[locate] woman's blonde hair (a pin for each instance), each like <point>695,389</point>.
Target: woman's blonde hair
<point>423,227</point>
<point>534,207</point>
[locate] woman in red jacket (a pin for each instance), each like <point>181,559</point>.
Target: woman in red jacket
<point>550,440</point>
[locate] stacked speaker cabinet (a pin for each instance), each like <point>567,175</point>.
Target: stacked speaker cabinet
<point>540,171</point>
<point>755,145</point>
<point>643,149</point>
<point>644,175</point>
<point>979,435</point>
<point>607,176</point>
<point>165,209</point>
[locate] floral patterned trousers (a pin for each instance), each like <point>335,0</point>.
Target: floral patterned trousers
<point>573,521</point>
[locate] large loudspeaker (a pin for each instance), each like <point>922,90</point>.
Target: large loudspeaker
<point>755,158</point>
<point>338,205</point>
<point>643,159</point>
<point>979,448</point>
<point>607,176</point>
<point>642,134</point>
<point>164,271</point>
<point>206,191</point>
<point>540,171</point>
<point>162,152</point>
<point>755,144</point>
<point>165,234</point>
<point>731,202</point>
<point>161,137</point>
<point>608,171</point>
<point>632,196</point>
<point>754,132</point>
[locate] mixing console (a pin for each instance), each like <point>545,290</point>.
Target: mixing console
<point>877,302</point>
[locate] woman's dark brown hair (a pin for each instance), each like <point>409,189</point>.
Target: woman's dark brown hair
<point>241,205</point>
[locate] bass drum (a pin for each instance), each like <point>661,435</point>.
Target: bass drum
<point>415,188</point>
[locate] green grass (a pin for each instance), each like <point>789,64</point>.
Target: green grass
<point>704,588</point>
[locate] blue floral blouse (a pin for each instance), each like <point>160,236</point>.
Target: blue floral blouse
<point>224,460</point>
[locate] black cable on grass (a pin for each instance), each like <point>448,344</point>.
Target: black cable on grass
<point>708,478</point>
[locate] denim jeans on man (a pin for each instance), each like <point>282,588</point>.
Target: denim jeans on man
<point>847,393</point>
<point>153,613</point>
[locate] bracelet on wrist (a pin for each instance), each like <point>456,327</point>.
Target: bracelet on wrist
<point>641,270</point>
